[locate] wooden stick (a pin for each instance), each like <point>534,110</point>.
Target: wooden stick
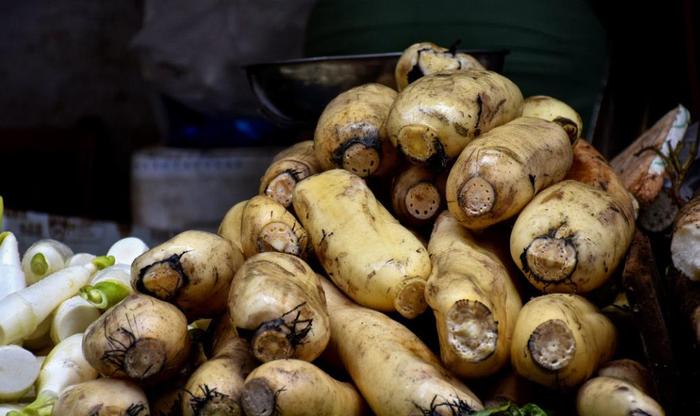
<point>641,282</point>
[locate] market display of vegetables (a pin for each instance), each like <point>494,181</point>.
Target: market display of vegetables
<point>476,283</point>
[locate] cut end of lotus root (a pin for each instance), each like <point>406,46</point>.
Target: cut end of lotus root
<point>476,197</point>
<point>422,201</point>
<point>659,214</point>
<point>410,300</point>
<point>271,344</point>
<point>685,250</point>
<point>551,259</point>
<point>162,280</point>
<point>417,142</point>
<point>552,346</point>
<point>281,188</point>
<point>258,399</point>
<point>279,237</point>
<point>361,160</point>
<point>472,330</point>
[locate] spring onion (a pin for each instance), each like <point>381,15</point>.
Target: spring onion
<point>64,366</point>
<point>44,258</point>
<point>40,338</point>
<point>108,287</point>
<point>6,408</point>
<point>72,317</point>
<point>127,249</point>
<point>19,370</point>
<point>79,259</point>
<point>22,312</point>
<point>11,275</point>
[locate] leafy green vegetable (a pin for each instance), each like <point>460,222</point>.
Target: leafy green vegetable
<point>494,410</point>
<point>531,409</point>
<point>511,409</point>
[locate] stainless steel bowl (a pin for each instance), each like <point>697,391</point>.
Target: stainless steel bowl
<point>295,92</point>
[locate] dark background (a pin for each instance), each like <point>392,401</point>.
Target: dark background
<point>653,67</point>
<point>74,105</point>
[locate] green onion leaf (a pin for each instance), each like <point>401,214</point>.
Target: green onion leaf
<point>511,409</point>
<point>102,262</point>
<point>39,265</point>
